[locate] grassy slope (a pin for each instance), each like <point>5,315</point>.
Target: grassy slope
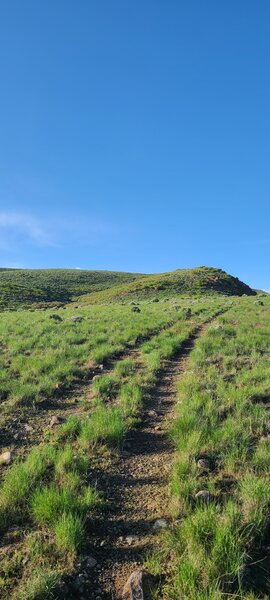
<point>198,281</point>
<point>24,287</point>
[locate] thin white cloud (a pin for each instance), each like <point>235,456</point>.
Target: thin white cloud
<point>18,228</point>
<point>13,265</point>
<point>25,224</point>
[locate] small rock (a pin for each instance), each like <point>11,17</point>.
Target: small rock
<point>5,458</point>
<point>55,421</point>
<point>91,562</point>
<point>101,367</point>
<point>16,436</point>
<point>55,317</point>
<point>76,319</point>
<point>203,496</point>
<point>79,582</point>
<point>160,524</point>
<point>131,539</point>
<point>158,428</point>
<point>203,464</point>
<point>152,413</point>
<point>125,454</point>
<point>139,586</point>
<point>28,428</point>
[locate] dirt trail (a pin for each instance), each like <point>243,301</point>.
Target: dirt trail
<point>24,427</point>
<point>136,486</point>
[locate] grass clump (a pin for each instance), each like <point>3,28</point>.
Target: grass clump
<point>70,428</point>
<point>105,387</point>
<point>69,532</point>
<point>105,424</point>
<point>50,502</point>
<point>41,586</point>
<point>19,482</point>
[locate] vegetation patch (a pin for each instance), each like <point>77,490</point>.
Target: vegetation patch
<point>220,483</point>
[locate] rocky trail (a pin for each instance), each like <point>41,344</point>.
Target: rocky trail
<point>135,485</point>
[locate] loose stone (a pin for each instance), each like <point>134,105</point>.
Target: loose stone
<point>5,458</point>
<point>203,496</point>
<point>160,524</point>
<point>139,586</point>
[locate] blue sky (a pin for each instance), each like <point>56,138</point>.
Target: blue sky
<point>135,135</point>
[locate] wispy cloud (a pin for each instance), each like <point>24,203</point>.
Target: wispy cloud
<point>31,227</point>
<point>19,229</point>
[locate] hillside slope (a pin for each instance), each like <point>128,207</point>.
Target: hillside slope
<point>197,281</point>
<point>44,287</point>
<point>24,287</point>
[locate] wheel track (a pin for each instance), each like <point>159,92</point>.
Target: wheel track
<point>136,485</point>
<point>64,403</point>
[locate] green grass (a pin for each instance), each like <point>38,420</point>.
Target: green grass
<point>41,586</point>
<point>42,288</point>
<point>69,532</point>
<point>187,282</point>
<point>19,482</point>
<point>105,425</point>
<point>222,414</point>
<point>39,357</point>
<point>55,498</point>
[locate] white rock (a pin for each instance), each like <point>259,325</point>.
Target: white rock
<point>203,496</point>
<point>28,428</point>
<point>131,539</point>
<point>55,421</point>
<point>5,458</point>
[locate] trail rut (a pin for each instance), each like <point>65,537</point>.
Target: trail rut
<point>14,435</point>
<point>136,486</point>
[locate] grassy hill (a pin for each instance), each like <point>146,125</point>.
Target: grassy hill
<point>27,287</point>
<point>24,287</point>
<point>197,281</point>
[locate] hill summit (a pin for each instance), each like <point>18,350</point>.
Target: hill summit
<point>37,287</point>
<point>188,282</point>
